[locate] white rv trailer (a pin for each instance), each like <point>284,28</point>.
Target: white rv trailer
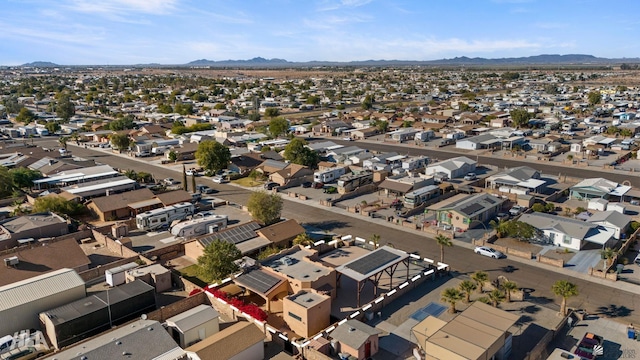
<point>328,175</point>
<point>200,226</point>
<point>163,217</point>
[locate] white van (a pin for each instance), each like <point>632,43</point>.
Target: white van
<point>5,343</point>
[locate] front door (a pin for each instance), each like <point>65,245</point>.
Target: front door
<point>367,350</point>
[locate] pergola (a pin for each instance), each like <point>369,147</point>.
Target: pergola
<point>262,283</point>
<point>372,266</point>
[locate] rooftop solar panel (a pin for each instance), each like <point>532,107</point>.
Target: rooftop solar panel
<point>372,261</point>
<point>471,208</point>
<point>257,280</point>
<point>490,200</point>
<point>234,235</point>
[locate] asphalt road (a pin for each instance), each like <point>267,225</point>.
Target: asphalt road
<point>544,167</point>
<point>594,297</point>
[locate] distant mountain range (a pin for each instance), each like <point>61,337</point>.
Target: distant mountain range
<point>545,59</point>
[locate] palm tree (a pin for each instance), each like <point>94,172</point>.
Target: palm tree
<point>496,296</point>
<point>481,278</point>
<point>508,287</point>
<point>62,140</point>
<point>467,287</point>
<point>451,296</point>
<point>565,289</point>
<point>500,227</point>
<point>375,238</point>
<point>303,239</point>
<point>443,241</point>
<point>608,254</point>
<point>484,300</point>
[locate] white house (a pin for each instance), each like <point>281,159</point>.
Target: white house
<point>613,220</point>
<point>454,168</point>
<point>569,233</point>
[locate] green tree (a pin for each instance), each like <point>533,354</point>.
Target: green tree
<point>6,182</point>
<point>23,177</point>
<point>538,207</point>
<point>467,287</point>
<point>173,156</point>
<point>608,254</point>
<point>496,297</point>
<point>594,98</point>
<point>62,140</point>
<point>520,117</point>
<point>313,100</point>
<point>451,296</point>
<point>500,227</point>
<point>367,102</point>
<point>481,278</point>
<point>303,239</point>
<point>278,126</point>
<point>185,187</point>
<point>58,205</point>
<point>213,156</point>
<point>120,141</point>
<point>381,125</point>
<point>271,112</point>
<point>375,239</point>
<point>508,287</point>
<point>64,107</point>
<point>183,109</point>
<point>25,116</point>
<point>217,260</point>
<point>443,241</point>
<point>122,124</point>
<point>565,290</point>
<point>265,208</point>
<point>298,153</point>
<point>52,127</point>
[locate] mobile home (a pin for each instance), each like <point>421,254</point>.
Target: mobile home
<point>200,226</point>
<point>329,175</point>
<point>163,217</point>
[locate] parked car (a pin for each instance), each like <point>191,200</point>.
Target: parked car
<point>26,352</point>
<point>487,251</point>
<point>219,180</point>
<point>270,185</point>
<point>204,189</point>
<point>191,172</point>
<point>306,184</point>
<point>502,216</point>
<point>318,185</point>
<point>637,260</point>
<point>170,181</point>
<point>470,176</point>
<point>516,210</point>
<point>347,139</point>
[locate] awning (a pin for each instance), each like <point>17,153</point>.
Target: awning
<point>531,183</point>
<point>145,203</point>
<point>599,235</point>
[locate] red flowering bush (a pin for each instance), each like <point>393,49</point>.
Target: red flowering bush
<point>250,309</point>
<point>195,291</point>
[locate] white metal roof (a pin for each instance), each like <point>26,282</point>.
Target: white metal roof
<point>38,287</point>
<point>531,183</point>
<point>79,174</point>
<point>75,189</point>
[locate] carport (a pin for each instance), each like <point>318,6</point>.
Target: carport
<point>268,286</point>
<point>372,266</point>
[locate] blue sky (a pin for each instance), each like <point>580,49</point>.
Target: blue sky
<point>114,32</point>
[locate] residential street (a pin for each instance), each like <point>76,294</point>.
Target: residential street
<point>596,298</point>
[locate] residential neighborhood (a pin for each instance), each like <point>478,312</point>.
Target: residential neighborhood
<point>326,213</point>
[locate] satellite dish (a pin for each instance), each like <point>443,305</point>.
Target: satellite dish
<point>598,350</point>
<point>143,316</point>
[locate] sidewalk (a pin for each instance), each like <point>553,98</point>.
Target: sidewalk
<point>621,285</point>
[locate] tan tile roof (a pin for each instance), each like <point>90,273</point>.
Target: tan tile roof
<point>120,201</point>
<point>229,342</point>
<point>174,197</point>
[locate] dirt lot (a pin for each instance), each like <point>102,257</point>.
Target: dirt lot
<point>518,245</point>
<point>560,254</point>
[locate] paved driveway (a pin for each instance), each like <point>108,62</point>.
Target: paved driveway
<point>583,260</point>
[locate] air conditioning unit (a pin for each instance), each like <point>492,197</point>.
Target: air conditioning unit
<point>11,261</point>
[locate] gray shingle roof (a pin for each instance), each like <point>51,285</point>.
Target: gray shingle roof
<point>612,217</point>
<point>353,333</point>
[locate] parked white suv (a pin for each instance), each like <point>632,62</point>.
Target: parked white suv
<point>516,210</point>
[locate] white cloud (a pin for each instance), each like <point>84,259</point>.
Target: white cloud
<point>123,10</point>
<point>331,5</point>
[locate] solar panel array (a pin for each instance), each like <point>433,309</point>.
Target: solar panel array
<point>473,208</point>
<point>257,280</point>
<point>490,200</point>
<point>234,235</point>
<point>372,261</point>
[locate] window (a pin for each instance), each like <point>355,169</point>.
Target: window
<point>566,239</point>
<point>295,316</point>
